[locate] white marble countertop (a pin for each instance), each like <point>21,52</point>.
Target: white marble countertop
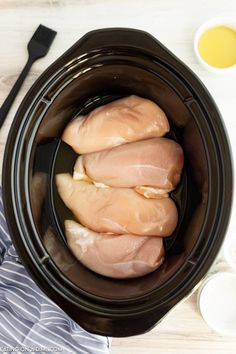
<point>173,22</point>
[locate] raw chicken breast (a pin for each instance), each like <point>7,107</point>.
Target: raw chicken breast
<point>156,162</point>
<point>121,256</point>
<point>128,119</point>
<point>117,210</point>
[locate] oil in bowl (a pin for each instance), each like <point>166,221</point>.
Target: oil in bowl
<point>217,46</point>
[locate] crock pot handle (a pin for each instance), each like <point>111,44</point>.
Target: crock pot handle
<point>118,37</point>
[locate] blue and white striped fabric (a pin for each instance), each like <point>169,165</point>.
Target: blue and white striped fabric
<point>29,320</point>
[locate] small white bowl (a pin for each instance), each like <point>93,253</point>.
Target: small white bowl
<point>216,21</point>
<point>217,302</point>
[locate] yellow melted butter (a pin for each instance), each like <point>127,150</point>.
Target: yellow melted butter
<point>217,46</point>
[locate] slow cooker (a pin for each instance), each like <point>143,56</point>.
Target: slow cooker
<point>104,65</point>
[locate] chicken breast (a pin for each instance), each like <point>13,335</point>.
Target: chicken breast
<point>121,256</point>
<point>125,120</point>
<point>156,162</point>
<point>117,210</point>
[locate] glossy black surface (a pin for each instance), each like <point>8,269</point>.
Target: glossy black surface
<point>102,66</point>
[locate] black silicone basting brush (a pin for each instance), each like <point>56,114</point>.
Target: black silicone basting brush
<point>37,47</point>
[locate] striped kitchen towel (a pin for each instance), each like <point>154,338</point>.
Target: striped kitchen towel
<point>29,321</point>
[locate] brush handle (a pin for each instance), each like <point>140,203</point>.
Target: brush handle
<point>14,91</point>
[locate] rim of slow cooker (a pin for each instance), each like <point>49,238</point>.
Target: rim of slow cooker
<point>189,102</point>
